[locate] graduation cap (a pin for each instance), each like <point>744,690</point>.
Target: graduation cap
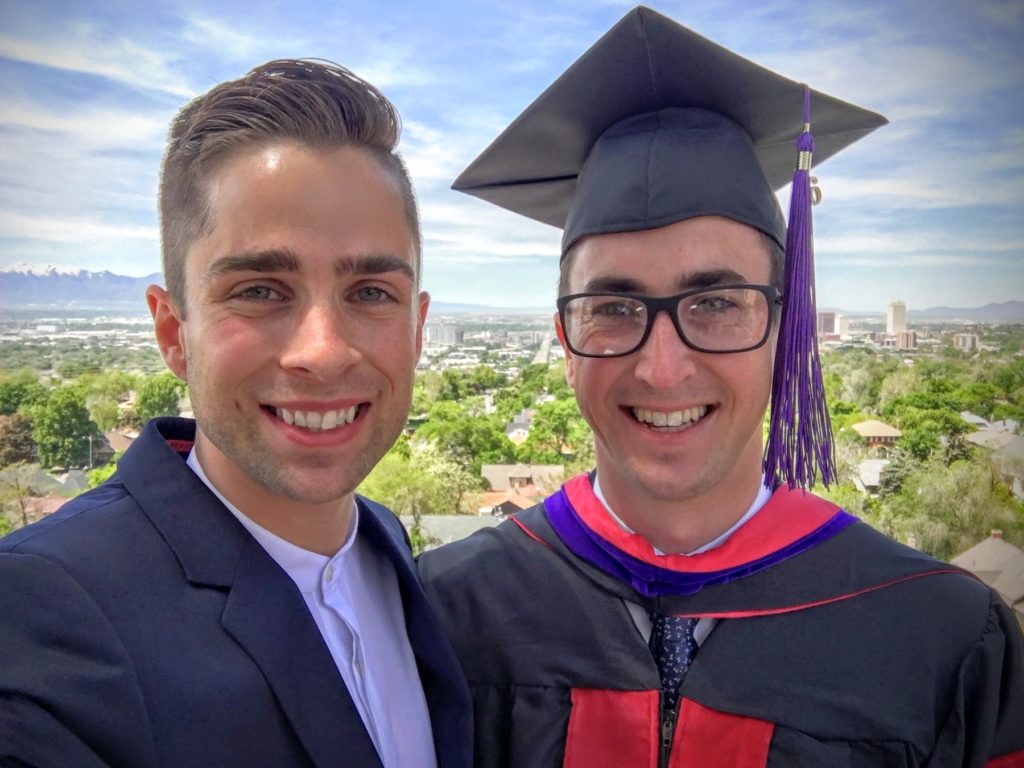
<point>655,124</point>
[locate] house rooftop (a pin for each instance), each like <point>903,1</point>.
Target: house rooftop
<point>999,564</point>
<point>875,428</point>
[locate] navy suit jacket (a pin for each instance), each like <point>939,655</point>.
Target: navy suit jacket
<point>141,625</point>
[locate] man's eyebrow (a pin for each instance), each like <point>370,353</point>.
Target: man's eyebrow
<point>373,264</point>
<point>281,260</point>
<point>703,279</point>
<point>613,284</point>
<point>710,278</point>
<point>255,261</point>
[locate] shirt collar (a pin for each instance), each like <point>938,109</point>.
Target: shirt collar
<point>303,566</point>
<point>763,495</point>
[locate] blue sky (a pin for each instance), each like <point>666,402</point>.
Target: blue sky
<point>929,209</point>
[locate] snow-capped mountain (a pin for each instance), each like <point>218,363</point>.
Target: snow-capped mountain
<point>34,285</point>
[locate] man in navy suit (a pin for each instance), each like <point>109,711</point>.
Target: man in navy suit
<point>226,599</point>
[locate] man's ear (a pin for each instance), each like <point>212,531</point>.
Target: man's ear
<point>169,328</point>
<point>570,360</point>
<point>424,300</point>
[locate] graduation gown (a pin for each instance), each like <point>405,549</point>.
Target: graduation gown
<point>835,645</point>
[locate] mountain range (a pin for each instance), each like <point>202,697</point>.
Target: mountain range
<point>33,286</point>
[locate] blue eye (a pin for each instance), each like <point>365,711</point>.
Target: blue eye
<point>371,294</point>
<point>613,309</point>
<point>714,304</point>
<point>260,293</point>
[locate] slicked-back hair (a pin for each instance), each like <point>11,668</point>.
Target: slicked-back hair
<point>316,104</point>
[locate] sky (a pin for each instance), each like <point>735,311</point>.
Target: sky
<point>929,209</point>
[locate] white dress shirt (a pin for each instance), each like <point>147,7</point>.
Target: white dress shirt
<point>637,611</point>
<point>353,597</point>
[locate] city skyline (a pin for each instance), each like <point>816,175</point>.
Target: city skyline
<point>926,209</point>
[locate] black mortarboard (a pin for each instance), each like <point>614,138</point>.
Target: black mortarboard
<point>689,117</point>
<point>655,124</point>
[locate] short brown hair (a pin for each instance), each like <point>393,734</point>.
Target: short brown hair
<point>318,104</point>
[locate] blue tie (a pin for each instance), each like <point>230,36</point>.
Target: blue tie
<point>673,648</point>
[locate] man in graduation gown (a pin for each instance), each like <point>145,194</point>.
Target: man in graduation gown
<point>225,599</point>
<point>688,603</point>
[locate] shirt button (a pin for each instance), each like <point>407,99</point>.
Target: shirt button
<point>329,573</point>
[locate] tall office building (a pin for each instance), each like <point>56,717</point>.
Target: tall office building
<point>842,326</point>
<point>896,318</point>
<point>826,323</point>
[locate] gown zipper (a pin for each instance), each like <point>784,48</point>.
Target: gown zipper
<point>669,719</point>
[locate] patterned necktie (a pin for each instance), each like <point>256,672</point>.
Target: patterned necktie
<point>673,648</point>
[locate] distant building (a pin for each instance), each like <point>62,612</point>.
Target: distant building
<point>826,323</point>
<point>532,480</point>
<point>990,438</point>
<point>877,434</point>
<point>974,420</point>
<point>999,564</point>
<point>501,504</point>
<point>448,335</point>
<point>966,342</point>
<point>444,529</point>
<point>896,318</point>
<point>868,477</point>
<point>843,326</point>
<point>906,340</point>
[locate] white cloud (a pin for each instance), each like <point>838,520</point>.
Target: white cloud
<point>82,47</point>
<point>71,229</point>
<point>93,125</point>
<point>473,232</point>
<point>224,36</point>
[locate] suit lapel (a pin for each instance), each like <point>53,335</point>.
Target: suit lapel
<point>444,686</point>
<point>264,612</point>
<point>267,616</point>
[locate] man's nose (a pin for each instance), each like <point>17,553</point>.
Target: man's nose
<point>321,342</point>
<point>664,360</point>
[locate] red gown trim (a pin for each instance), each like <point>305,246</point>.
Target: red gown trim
<point>789,516</point>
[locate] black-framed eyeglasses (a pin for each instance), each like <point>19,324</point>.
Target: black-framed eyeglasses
<point>723,319</point>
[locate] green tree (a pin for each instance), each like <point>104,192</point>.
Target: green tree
<point>100,475</point>
<point>557,429</point>
<point>16,443</point>
<point>20,390</point>
<point>949,509</point>
<point>103,391</point>
<point>17,487</point>
<point>103,411</point>
<point>158,396</point>
<point>427,482</point>
<point>484,379</point>
<point>894,475</point>
<point>468,438</point>
<point>62,429</point>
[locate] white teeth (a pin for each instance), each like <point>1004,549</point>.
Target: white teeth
<point>670,419</point>
<point>315,420</point>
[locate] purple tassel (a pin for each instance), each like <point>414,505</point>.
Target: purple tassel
<point>800,435</point>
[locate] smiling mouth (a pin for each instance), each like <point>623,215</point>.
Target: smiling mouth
<point>670,421</point>
<point>317,421</point>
